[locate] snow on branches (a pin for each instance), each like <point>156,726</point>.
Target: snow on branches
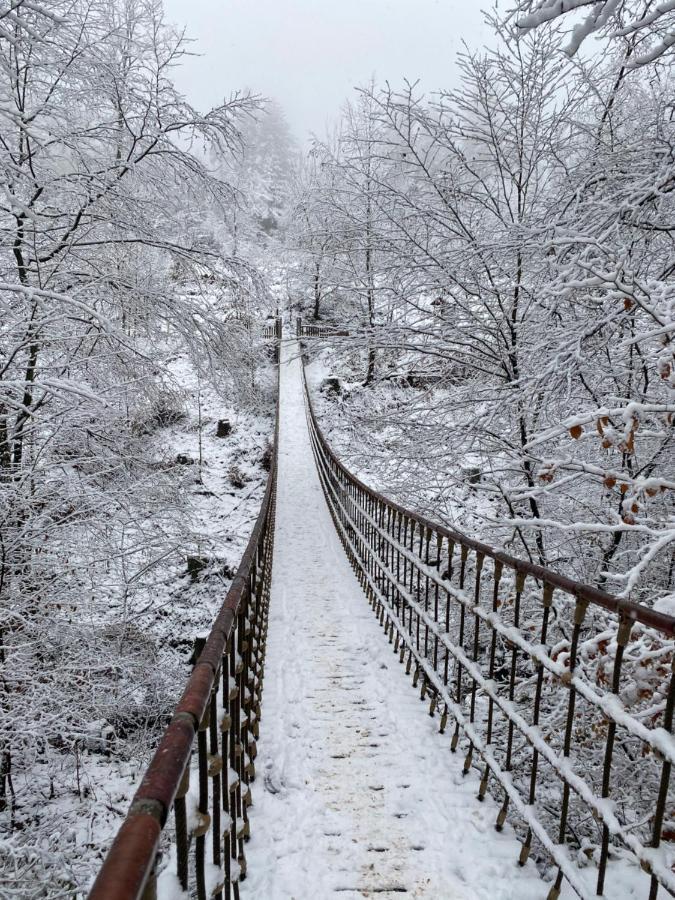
<point>112,264</point>
<point>647,28</point>
<point>516,238</point>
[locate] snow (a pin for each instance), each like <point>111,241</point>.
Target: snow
<point>76,803</point>
<point>357,792</point>
<point>666,605</point>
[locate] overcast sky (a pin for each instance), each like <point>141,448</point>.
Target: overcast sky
<point>310,54</point>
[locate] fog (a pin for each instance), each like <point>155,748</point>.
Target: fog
<point>310,54</point>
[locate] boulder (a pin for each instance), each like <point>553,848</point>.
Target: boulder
<point>331,385</point>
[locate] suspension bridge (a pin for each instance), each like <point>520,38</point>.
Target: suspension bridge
<point>439,718</point>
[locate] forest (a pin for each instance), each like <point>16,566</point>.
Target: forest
<point>493,264</point>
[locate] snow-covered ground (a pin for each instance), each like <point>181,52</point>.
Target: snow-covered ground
<point>357,793</point>
<point>81,797</point>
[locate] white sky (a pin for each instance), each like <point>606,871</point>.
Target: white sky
<point>310,54</point>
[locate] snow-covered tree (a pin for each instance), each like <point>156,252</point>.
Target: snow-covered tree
<point>262,173</point>
<point>103,209</point>
<point>522,226</point>
<point>646,28</point>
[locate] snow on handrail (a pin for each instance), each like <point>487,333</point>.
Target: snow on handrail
<point>556,701</point>
<point>219,711</point>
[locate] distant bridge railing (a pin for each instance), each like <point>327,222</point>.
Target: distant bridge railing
<point>562,694</point>
<point>314,329</point>
<point>203,767</point>
<point>272,330</point>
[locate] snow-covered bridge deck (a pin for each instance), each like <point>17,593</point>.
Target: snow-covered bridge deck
<point>531,674</point>
<point>360,795</point>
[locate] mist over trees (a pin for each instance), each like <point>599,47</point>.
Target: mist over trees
<point>262,174</point>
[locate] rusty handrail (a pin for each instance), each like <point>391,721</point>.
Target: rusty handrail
<point>220,712</point>
<point>501,655</point>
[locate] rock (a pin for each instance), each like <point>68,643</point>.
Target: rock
<point>212,565</point>
<point>196,565</point>
<point>422,380</point>
<point>267,456</point>
<point>471,474</point>
<point>236,477</point>
<point>224,428</point>
<point>99,737</point>
<point>331,385</point>
<point>182,459</point>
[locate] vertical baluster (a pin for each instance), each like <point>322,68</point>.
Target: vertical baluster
<point>446,662</point>
<point>407,573</point>
<point>410,541</point>
<point>357,532</point>
<point>386,550</point>
<point>355,519</point>
<point>425,535</point>
<point>248,745</point>
<point>237,731</point>
<point>392,586</point>
<point>415,576</point>
<point>399,528</point>
<point>404,539</point>
<point>427,538</point>
<point>391,568</point>
<point>380,573</point>
<point>372,559</point>
<point>363,545</point>
<point>366,533</point>
<point>547,602</point>
<point>233,777</point>
<point>665,779</point>
<point>579,614</point>
<point>215,771</point>
<point>204,820</point>
<point>258,612</point>
<point>462,627</point>
<point>520,582</point>
<point>448,576</point>
<point>180,816</point>
<point>476,648</point>
<point>380,511</point>
<point>225,725</point>
<point>381,577</point>
<point>401,607</point>
<point>622,638</point>
<point>497,575</point>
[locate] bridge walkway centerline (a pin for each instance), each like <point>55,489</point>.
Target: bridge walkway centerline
<point>360,795</point>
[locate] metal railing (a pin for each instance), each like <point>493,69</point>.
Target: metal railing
<point>272,331</point>
<point>204,765</point>
<point>309,329</point>
<point>561,694</point>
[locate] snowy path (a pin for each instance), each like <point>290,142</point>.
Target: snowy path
<point>357,794</point>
